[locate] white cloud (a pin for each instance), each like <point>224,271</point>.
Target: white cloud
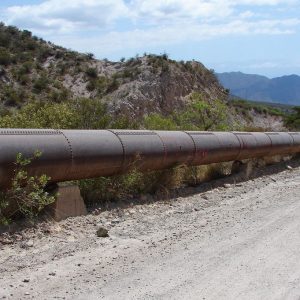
<point>262,2</point>
<point>166,10</point>
<point>246,14</point>
<point>73,15</point>
<point>135,41</point>
<point>265,65</point>
<point>176,10</point>
<point>78,23</point>
<point>66,15</point>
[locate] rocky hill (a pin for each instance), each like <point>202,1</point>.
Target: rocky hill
<point>285,89</point>
<point>33,69</point>
<point>42,85</point>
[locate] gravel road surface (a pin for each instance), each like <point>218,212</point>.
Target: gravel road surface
<point>238,241</point>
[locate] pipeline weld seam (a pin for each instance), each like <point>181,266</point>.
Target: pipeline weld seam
<point>69,144</point>
<point>190,161</point>
<point>227,147</point>
<point>144,132</point>
<point>292,139</point>
<point>271,146</point>
<point>122,145</point>
<point>241,145</point>
<point>257,143</point>
<point>28,132</point>
<point>164,146</point>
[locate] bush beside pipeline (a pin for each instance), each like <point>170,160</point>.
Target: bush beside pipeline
<point>77,154</point>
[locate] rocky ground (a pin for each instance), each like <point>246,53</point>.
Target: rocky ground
<point>222,240</point>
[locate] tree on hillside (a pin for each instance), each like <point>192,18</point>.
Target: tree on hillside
<point>204,115</point>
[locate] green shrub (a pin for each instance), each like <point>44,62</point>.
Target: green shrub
<point>90,56</point>
<point>59,54</point>
<point>5,57</point>
<point>293,121</point>
<point>198,115</point>
<point>26,194</point>
<point>113,85</point>
<point>127,73</point>
<point>80,113</point>
<point>24,79</point>
<point>62,68</point>
<point>91,114</point>
<point>158,122</point>
<point>111,188</point>
<point>91,86</point>
<point>243,105</point>
<point>132,184</point>
<point>40,84</point>
<point>135,183</point>
<point>30,45</point>
<point>21,73</point>
<point>202,115</point>
<point>43,53</point>
<point>41,115</point>
<point>26,67</point>
<point>26,34</point>
<point>12,96</point>
<point>125,122</point>
<point>4,39</point>
<point>92,73</point>
<point>159,63</point>
<point>59,96</point>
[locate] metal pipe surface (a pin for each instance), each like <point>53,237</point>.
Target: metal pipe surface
<point>77,154</point>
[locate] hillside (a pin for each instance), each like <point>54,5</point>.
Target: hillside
<point>44,85</point>
<point>285,89</point>
<point>33,69</point>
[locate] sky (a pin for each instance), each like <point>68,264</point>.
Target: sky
<point>251,36</point>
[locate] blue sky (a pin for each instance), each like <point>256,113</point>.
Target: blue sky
<point>252,36</point>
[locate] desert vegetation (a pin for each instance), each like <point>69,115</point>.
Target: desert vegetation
<point>90,114</point>
<point>244,107</point>
<point>293,120</point>
<point>26,196</point>
<point>46,86</point>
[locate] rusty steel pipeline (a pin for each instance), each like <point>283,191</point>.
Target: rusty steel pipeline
<point>77,154</point>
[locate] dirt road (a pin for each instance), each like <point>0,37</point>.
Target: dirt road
<point>234,242</point>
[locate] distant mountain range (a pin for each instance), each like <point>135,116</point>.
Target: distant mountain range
<point>285,89</point>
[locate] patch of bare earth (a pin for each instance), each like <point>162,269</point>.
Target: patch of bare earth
<point>217,241</point>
